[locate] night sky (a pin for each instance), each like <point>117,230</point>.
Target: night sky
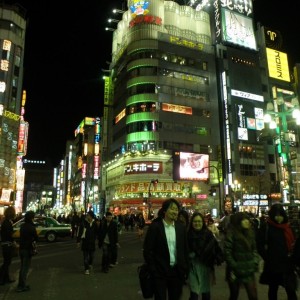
<point>66,48</point>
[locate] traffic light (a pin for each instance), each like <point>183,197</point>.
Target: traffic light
<point>212,191</point>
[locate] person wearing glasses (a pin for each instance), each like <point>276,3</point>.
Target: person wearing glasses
<point>204,254</point>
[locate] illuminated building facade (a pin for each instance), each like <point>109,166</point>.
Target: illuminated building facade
<point>251,72</point>
<point>160,108</point>
<point>82,171</point>
<point>241,102</point>
<point>192,79</point>
<point>12,102</point>
<point>281,99</point>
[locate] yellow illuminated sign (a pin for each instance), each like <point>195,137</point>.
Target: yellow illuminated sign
<point>278,65</point>
<point>120,116</point>
<point>186,43</point>
<point>177,108</point>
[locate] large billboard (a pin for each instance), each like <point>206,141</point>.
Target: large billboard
<point>233,22</point>
<point>278,65</point>
<point>190,166</point>
<point>238,29</point>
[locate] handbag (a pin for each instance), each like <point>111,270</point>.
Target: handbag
<point>33,250</point>
<point>290,280</point>
<point>146,281</point>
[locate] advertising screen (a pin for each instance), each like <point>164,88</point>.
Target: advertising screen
<point>190,166</point>
<point>238,29</point>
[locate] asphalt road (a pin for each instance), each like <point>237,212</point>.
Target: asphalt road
<point>57,273</point>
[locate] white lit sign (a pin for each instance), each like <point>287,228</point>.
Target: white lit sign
<point>247,95</point>
<point>143,167</point>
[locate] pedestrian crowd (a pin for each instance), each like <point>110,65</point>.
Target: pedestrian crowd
<point>89,232</point>
<point>179,249</point>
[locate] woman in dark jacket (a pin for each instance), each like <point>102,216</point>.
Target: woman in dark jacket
<point>241,256</point>
<point>7,242</point>
<point>204,252</point>
<point>275,241</point>
<point>87,235</point>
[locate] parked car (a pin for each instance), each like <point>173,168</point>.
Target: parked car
<point>47,228</point>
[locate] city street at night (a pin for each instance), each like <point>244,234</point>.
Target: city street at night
<point>57,273</point>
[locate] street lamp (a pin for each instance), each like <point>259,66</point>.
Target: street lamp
<point>118,11</point>
<point>278,115</point>
<point>113,20</point>
<point>212,191</point>
<point>110,29</point>
<point>236,187</point>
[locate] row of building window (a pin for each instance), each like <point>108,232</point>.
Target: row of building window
<point>170,57</point>
<point>251,170</point>
<point>9,25</point>
<point>153,88</point>
<point>152,145</point>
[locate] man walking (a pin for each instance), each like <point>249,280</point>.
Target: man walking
<point>108,240</point>
<point>166,253</point>
<point>87,235</point>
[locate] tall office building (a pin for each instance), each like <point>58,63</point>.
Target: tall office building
<point>13,128</point>
<point>184,106</point>
<point>81,169</point>
<point>161,118</point>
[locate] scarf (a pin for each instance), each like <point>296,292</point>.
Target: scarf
<point>288,233</point>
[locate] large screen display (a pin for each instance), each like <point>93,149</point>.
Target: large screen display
<point>238,29</point>
<point>190,166</point>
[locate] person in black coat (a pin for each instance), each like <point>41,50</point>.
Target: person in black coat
<point>275,241</point>
<point>75,223</point>
<point>7,242</point>
<point>166,253</point>
<point>141,225</point>
<point>87,235</point>
<point>28,237</point>
<point>108,239</point>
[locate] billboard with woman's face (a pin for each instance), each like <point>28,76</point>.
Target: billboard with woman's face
<point>190,166</point>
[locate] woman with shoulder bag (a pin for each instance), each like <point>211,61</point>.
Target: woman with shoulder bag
<point>7,244</point>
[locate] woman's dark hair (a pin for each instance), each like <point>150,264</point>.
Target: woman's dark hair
<point>236,219</point>
<point>277,209</point>
<point>166,204</point>
<point>10,213</point>
<point>194,215</point>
